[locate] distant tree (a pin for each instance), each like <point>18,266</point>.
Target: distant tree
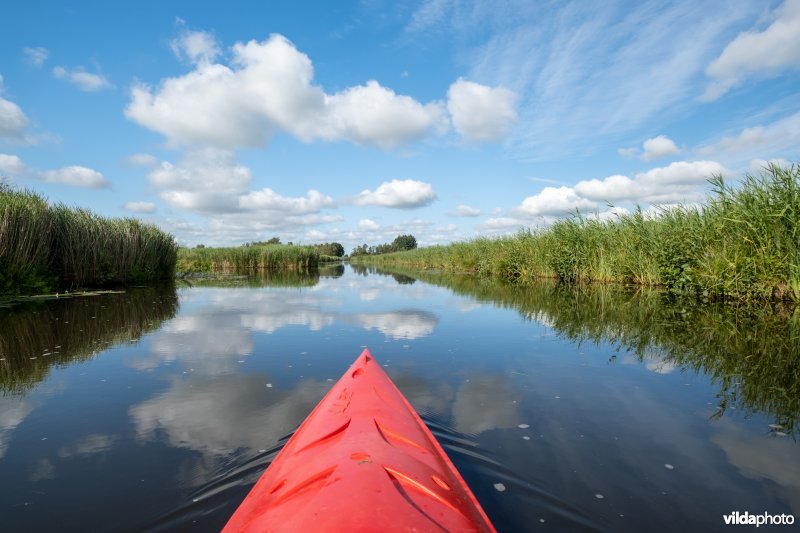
<point>200,246</point>
<point>360,250</point>
<point>331,248</point>
<point>404,242</point>
<point>275,240</point>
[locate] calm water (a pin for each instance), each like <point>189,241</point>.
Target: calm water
<point>563,409</point>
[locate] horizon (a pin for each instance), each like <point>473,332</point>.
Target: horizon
<point>443,120</point>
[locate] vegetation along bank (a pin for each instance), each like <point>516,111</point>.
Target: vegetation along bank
<point>743,243</point>
<point>46,248</point>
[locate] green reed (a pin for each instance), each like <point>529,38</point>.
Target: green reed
<point>248,258</point>
<point>46,248</point>
<point>744,242</point>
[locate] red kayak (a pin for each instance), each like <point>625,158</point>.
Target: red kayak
<point>363,460</point>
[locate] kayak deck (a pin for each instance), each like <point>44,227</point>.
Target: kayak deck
<point>363,460</point>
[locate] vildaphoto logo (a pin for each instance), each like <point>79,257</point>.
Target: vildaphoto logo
<point>764,519</point>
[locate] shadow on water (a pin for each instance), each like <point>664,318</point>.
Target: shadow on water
<point>35,336</point>
<point>750,352</point>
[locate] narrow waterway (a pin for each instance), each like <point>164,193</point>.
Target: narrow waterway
<point>566,409</point>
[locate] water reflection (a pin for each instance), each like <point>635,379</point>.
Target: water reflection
<point>751,352</point>
<point>247,414</point>
<point>36,336</point>
<point>402,324</point>
<point>591,392</point>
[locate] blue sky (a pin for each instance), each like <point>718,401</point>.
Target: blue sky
<point>230,123</point>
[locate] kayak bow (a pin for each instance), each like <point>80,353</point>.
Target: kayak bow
<point>363,460</point>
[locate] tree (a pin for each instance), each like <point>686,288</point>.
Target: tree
<point>274,240</point>
<point>404,242</point>
<point>331,248</point>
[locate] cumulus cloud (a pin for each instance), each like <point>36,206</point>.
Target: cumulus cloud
<point>467,211</point>
<point>266,88</point>
<point>758,52</point>
<point>35,56</point>
<point>196,47</point>
<point>554,201</point>
<point>502,223</point>
<point>12,165</point>
<point>403,194</point>
<point>142,160</point>
<point>367,224</point>
<point>628,153</point>
<point>481,113</point>
<point>781,137</point>
<point>140,207</point>
<point>759,165</point>
<point>211,181</point>
<point>679,181</point>
<point>12,120</point>
<point>658,147</point>
<point>85,81</point>
<point>76,176</point>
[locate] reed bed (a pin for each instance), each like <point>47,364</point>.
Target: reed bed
<point>47,248</point>
<point>248,258</point>
<point>743,243</point>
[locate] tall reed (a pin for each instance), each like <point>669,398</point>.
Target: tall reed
<point>248,258</point>
<point>743,243</point>
<point>44,247</point>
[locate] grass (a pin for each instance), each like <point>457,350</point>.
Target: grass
<point>743,243</point>
<point>248,258</point>
<point>44,248</point>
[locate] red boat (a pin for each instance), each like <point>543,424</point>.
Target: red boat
<point>363,460</point>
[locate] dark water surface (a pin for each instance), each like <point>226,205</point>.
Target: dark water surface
<point>562,408</point>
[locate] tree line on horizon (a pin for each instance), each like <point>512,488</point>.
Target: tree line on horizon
<point>399,244</point>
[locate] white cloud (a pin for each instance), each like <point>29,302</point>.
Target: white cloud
<point>140,207</point>
<point>759,165</point>
<point>481,113</point>
<point>12,165</point>
<point>372,114</point>
<point>85,81</point>
<point>211,181</point>
<point>315,235</point>
<point>35,56</point>
<point>12,120</point>
<point>610,189</point>
<point>267,199</point>
<point>554,201</point>
<point>403,194</point>
<point>367,224</point>
<point>779,138</point>
<point>142,160</point>
<point>758,52</point>
<point>628,153</point>
<point>499,223</point>
<point>196,47</point>
<point>467,211</point>
<point>267,88</point>
<point>658,147</point>
<point>678,182</point>
<point>76,176</point>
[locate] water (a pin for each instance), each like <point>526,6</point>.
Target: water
<point>563,409</point>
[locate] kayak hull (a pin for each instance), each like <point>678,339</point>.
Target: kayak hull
<point>363,460</point>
